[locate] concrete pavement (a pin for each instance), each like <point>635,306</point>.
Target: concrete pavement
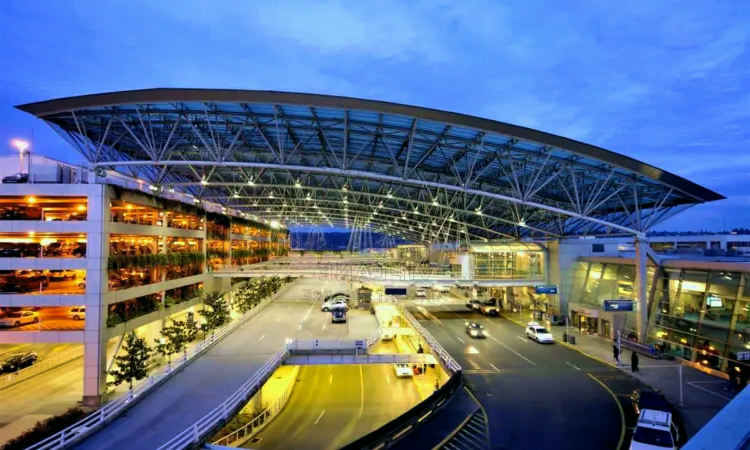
<point>334,405</point>
<point>207,382</point>
<point>527,387</point>
<point>703,395</point>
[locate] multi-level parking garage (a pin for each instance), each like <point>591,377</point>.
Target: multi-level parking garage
<point>514,207</point>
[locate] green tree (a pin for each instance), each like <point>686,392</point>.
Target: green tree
<point>133,365</point>
<point>215,310</point>
<point>175,338</point>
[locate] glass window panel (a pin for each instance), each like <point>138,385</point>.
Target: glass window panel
<point>579,279</point>
<point>724,283</point>
<point>607,284</point>
<point>592,283</point>
<point>625,283</point>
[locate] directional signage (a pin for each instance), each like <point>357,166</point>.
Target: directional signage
<point>618,305</point>
<point>395,291</point>
<point>360,344</point>
<point>546,289</point>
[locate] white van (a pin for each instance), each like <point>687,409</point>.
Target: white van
<point>77,313</point>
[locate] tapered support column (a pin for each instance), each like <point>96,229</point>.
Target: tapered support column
<point>641,282</point>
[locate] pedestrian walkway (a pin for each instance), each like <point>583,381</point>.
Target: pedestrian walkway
<point>702,396</point>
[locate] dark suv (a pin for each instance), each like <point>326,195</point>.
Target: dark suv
<point>19,361</point>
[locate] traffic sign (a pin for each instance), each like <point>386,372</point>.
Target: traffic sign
<point>360,345</point>
<point>618,305</point>
<point>545,289</point>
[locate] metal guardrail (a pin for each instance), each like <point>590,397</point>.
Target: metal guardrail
<point>111,410</point>
<point>47,364</point>
<point>437,349</point>
<point>394,430</point>
<point>216,418</point>
<point>260,421</point>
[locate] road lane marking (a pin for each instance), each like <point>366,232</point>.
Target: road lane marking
<point>278,320</point>
<point>518,354</point>
<point>474,365</point>
<point>388,379</point>
<point>299,327</point>
<point>493,366</point>
<point>261,338</point>
<point>330,379</point>
<point>362,391</point>
<point>706,390</point>
<point>571,365</point>
<point>324,326</point>
<point>619,406</point>
<point>462,341</point>
<point>522,339</point>
<point>319,417</point>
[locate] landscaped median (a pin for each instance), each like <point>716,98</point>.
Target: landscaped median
<point>113,409</point>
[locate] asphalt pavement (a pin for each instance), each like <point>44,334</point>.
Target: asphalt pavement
<point>208,381</point>
<point>332,405</point>
<point>536,395</point>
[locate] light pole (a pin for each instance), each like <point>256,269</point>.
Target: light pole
<point>21,145</point>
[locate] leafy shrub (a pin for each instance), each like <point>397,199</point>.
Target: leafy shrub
<point>46,428</point>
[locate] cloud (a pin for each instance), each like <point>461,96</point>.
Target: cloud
<point>664,82</point>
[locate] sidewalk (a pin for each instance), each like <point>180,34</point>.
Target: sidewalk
<point>702,394</point>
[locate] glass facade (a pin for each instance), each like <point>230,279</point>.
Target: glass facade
<point>702,316</point>
<point>509,261</point>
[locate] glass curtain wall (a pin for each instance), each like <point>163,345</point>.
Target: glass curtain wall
<point>699,315</point>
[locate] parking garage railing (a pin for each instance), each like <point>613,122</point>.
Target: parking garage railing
<point>113,409</point>
<point>41,367</point>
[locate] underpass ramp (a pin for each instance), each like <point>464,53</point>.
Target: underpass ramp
<point>471,436</point>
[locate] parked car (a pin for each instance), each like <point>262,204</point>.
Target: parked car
<point>421,293</point>
<point>82,284</point>
<point>62,275</point>
<point>403,370</point>
<point>654,430</point>
<point>18,318</point>
<point>16,178</point>
<point>338,316</point>
<point>22,250</point>
<point>80,250</point>
<point>333,305</point>
<point>22,213</point>
<point>18,361</point>
<point>25,281</point>
<point>77,313</point>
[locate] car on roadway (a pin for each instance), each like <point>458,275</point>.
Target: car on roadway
<point>333,305</point>
<point>487,310</point>
<point>539,333</point>
<point>18,318</point>
<point>439,288</point>
<point>475,330</point>
<point>649,399</point>
<point>403,370</point>
<point>16,178</point>
<point>421,293</point>
<point>473,304</point>
<point>18,361</point>
<point>62,275</point>
<point>338,316</point>
<point>77,313</point>
<point>654,430</point>
<point>336,296</point>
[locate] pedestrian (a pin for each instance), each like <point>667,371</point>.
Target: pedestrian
<point>616,354</point>
<point>634,362</point>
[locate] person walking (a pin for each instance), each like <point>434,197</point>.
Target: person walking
<point>616,354</point>
<point>634,362</point>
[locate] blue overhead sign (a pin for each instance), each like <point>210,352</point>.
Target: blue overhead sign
<point>546,289</point>
<point>618,305</point>
<point>395,291</point>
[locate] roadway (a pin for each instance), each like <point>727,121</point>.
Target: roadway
<point>535,395</point>
<point>208,381</point>
<point>332,405</point>
<point>42,396</point>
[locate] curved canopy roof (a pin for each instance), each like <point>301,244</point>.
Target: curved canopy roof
<point>420,173</point>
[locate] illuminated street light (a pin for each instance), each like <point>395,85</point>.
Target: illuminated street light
<point>20,145</point>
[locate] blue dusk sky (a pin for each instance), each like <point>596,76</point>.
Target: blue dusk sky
<point>666,82</point>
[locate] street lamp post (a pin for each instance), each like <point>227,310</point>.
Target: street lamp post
<point>21,145</point>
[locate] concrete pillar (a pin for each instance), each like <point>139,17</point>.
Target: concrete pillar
<point>467,269</point>
<point>641,281</point>
<point>97,256</point>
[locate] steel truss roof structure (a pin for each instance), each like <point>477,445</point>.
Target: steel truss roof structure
<point>419,173</point>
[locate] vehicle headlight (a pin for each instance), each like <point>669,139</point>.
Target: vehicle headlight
<point>474,332</point>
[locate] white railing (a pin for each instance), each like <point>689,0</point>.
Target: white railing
<point>325,344</point>
<point>261,420</point>
<point>224,412</point>
<point>36,369</point>
<point>437,349</point>
<point>119,405</point>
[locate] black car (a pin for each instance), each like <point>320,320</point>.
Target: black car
<point>80,250</point>
<point>649,399</point>
<point>16,178</point>
<point>19,361</point>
